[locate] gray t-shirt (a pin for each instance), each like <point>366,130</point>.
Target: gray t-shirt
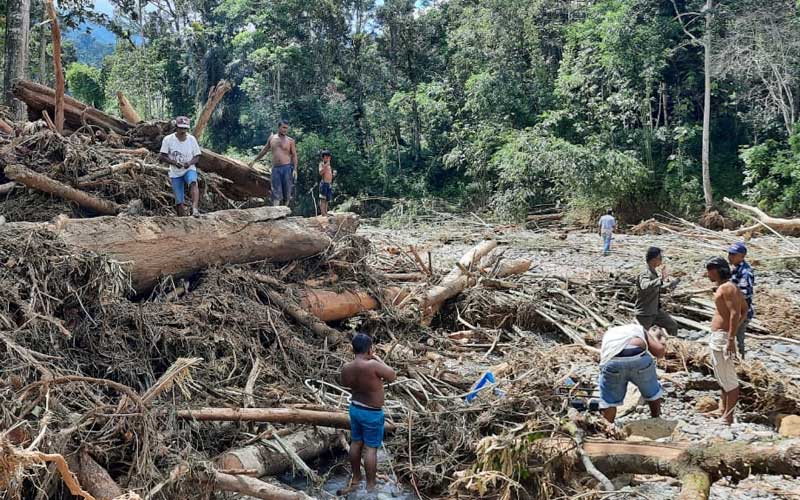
<point>607,223</point>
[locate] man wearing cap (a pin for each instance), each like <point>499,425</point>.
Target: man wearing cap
<point>182,152</point>
<point>742,276</point>
<point>649,285</point>
<point>729,310</point>
<point>284,163</point>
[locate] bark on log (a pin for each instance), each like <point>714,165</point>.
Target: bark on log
<point>456,280</point>
<point>273,415</point>
<point>113,169</point>
<point>252,487</point>
<point>46,184</point>
<point>127,111</point>
<point>215,95</point>
<point>789,227</point>
<point>247,181</point>
<point>179,246</point>
<point>95,479</point>
<point>58,119</point>
<point>40,98</point>
<point>270,460</point>
<point>332,306</point>
<point>513,267</point>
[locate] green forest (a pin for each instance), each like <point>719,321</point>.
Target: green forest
<point>504,105</point>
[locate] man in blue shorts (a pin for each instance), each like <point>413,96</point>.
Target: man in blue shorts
<point>284,163</point>
<point>365,376</point>
<point>181,152</point>
<point>627,355</point>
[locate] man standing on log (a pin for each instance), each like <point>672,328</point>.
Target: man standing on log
<point>742,276</point>
<point>284,163</point>
<point>730,308</point>
<point>325,189</point>
<point>365,376</point>
<point>648,298</point>
<point>182,152</point>
<point>607,226</point>
<point>626,355</point>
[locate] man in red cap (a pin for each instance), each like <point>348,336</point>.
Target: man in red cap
<point>182,152</point>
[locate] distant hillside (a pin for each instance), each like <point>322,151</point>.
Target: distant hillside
<point>92,43</point>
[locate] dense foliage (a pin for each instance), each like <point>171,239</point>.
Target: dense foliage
<point>507,104</point>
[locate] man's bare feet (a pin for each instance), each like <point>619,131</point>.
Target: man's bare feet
<point>353,486</point>
<point>372,486</point>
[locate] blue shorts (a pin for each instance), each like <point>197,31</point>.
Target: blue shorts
<point>178,185</point>
<point>282,182</point>
<point>325,191</point>
<point>366,425</point>
<point>639,370</point>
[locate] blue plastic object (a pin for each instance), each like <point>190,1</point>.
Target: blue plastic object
<point>486,378</point>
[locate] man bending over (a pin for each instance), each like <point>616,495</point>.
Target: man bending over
<point>365,376</point>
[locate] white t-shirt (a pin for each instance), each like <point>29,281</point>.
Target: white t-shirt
<point>616,338</point>
<point>607,223</point>
<point>180,151</point>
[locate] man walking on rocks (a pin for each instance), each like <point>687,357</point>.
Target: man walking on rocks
<point>627,355</point>
<point>742,276</point>
<point>365,376</point>
<point>649,285</point>
<point>607,226</point>
<point>730,308</point>
<point>284,163</point>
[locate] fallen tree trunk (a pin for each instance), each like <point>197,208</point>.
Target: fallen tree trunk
<point>45,184</point>
<point>251,487</point>
<point>789,227</point>
<point>40,98</point>
<point>271,460</point>
<point>335,420</point>
<point>58,118</point>
<point>545,217</point>
<point>113,169</point>
<point>332,306</point>
<point>248,182</point>
<point>301,315</point>
<point>696,465</point>
<point>456,280</point>
<point>127,110</point>
<point>95,479</point>
<point>151,247</point>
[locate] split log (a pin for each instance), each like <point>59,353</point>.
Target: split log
<point>154,246</point>
<point>127,110</point>
<point>789,227</point>
<point>113,169</point>
<point>251,487</point>
<point>456,280</point>
<point>59,71</point>
<point>40,98</point>
<point>270,460</point>
<point>215,95</point>
<point>45,184</point>
<point>335,420</point>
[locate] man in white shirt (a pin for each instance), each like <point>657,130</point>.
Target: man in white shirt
<point>607,226</point>
<point>182,152</point>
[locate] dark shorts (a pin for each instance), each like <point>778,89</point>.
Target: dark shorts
<point>282,182</point>
<point>325,191</point>
<point>366,424</point>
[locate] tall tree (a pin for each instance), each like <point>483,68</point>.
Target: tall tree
<point>18,22</point>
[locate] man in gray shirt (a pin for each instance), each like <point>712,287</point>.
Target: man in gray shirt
<point>648,287</point>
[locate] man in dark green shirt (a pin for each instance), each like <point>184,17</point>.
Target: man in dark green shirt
<point>649,285</point>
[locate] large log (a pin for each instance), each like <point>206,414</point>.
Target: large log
<point>789,227</point>
<point>270,460</point>
<point>152,247</point>
<point>328,305</point>
<point>336,420</point>
<point>40,98</point>
<point>45,184</point>
<point>248,182</point>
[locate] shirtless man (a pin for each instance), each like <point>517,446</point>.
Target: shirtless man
<point>730,309</point>
<point>365,376</point>
<point>284,163</point>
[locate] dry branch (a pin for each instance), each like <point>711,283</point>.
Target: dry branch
<point>789,227</point>
<point>252,487</point>
<point>273,415</point>
<point>215,95</point>
<point>45,184</point>
<point>127,110</point>
<point>59,72</point>
<point>113,169</point>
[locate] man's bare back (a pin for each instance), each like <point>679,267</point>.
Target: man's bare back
<point>727,298</point>
<point>365,377</point>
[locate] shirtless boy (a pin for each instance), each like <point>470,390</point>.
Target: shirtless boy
<point>365,376</point>
<point>730,308</point>
<point>284,163</point>
<point>326,174</point>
